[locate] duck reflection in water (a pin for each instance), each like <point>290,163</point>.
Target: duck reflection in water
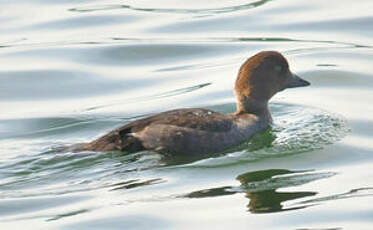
<point>260,187</point>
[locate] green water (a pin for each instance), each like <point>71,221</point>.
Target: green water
<point>72,70</point>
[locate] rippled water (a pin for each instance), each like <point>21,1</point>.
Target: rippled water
<point>72,70</point>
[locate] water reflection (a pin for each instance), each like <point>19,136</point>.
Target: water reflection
<point>271,201</point>
<point>359,192</point>
<point>202,12</point>
<point>57,84</point>
<point>260,187</point>
<point>169,93</point>
<point>268,199</point>
<point>136,183</point>
<point>319,228</point>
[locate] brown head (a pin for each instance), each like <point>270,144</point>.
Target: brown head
<point>261,77</point>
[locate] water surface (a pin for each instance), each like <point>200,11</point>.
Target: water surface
<point>71,71</point>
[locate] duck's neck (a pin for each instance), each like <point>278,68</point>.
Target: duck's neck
<point>252,106</point>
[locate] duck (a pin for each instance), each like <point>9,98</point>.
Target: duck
<point>200,131</point>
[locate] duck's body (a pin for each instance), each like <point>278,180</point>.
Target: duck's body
<point>201,131</point>
<point>181,131</point>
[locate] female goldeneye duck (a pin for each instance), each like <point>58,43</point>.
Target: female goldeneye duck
<point>199,131</point>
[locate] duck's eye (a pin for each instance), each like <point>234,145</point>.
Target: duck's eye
<point>278,68</point>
